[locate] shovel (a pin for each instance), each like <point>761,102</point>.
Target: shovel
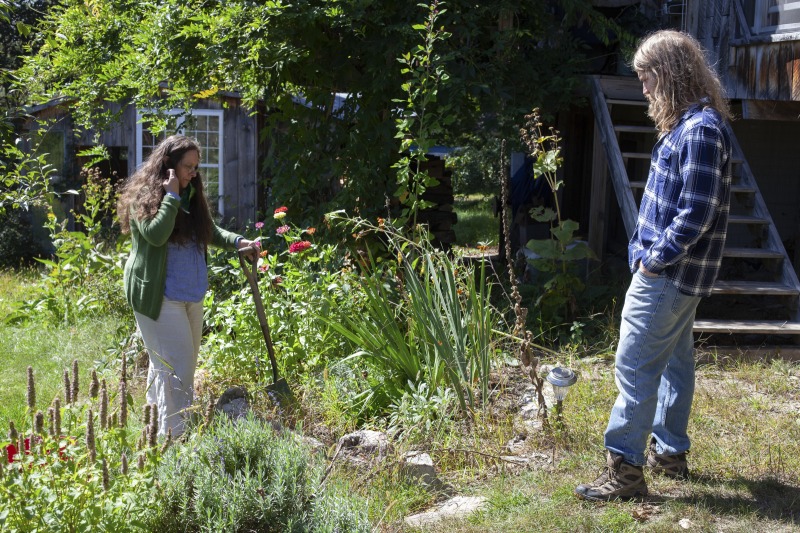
<point>279,391</point>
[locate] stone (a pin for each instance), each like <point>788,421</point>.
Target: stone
<point>456,507</point>
<point>233,402</point>
<point>418,467</point>
<point>366,442</point>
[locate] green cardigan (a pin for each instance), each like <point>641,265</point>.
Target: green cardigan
<point>146,267</point>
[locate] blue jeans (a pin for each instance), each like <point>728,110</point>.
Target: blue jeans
<point>654,370</point>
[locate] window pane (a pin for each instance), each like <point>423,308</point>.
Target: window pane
<point>212,156</point>
<point>211,180</point>
<point>213,140</point>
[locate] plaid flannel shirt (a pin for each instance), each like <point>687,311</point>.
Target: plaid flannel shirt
<point>683,217</point>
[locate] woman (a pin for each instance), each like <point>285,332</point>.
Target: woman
<point>165,210</point>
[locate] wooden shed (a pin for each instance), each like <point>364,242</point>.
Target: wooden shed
<point>226,131</point>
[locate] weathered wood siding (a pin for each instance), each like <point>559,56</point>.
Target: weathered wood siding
<point>762,67</point>
<point>239,163</point>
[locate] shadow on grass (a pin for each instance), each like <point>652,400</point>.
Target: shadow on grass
<point>769,499</point>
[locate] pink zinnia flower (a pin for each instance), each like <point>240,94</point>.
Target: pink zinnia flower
<point>259,225</point>
<point>299,246</point>
<point>281,230</point>
<point>263,267</point>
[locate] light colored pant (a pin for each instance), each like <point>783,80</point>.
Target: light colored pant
<point>172,342</point>
<point>654,370</point>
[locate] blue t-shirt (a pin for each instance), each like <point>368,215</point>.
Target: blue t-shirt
<point>187,274</point>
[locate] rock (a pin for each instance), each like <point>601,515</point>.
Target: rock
<point>233,402</point>
<point>456,507</point>
<point>366,442</point>
<point>418,466</point>
<point>517,443</point>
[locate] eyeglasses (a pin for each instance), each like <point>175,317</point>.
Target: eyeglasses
<point>189,168</point>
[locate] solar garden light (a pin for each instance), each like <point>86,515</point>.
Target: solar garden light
<point>561,379</point>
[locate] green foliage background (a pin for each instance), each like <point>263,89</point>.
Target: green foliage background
<point>501,59</point>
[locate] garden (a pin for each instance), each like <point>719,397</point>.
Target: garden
<point>441,356</point>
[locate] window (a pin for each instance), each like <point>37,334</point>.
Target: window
<point>775,16</point>
<point>205,125</point>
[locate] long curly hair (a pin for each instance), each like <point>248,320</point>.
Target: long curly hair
<point>677,63</point>
<point>142,193</point>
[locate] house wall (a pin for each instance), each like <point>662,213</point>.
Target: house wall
<point>752,67</point>
<point>239,153</point>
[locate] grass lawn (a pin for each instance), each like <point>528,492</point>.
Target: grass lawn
<point>745,461</point>
<point>476,221</point>
<point>49,348</point>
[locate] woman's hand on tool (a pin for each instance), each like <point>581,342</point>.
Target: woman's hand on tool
<point>254,247</point>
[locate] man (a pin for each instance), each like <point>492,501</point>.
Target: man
<point>675,255</point>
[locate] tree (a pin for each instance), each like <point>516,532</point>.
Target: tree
<point>501,58</point>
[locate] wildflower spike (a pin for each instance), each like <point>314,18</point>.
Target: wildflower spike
<point>105,474</point>
<point>31,392</point>
<point>51,415</point>
<point>75,381</point>
<point>90,444</point>
<point>153,425</point>
<point>94,388</point>
<point>38,425</point>
<point>104,407</point>
<point>67,388</point>
<point>123,404</point>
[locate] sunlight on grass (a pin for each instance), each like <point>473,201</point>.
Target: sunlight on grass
<point>49,349</point>
<point>476,221</point>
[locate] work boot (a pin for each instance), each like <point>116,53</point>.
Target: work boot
<point>674,466</point>
<point>619,480</point>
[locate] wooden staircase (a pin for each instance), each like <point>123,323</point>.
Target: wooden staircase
<point>757,292</point>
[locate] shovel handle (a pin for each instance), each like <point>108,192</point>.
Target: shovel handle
<point>252,278</point>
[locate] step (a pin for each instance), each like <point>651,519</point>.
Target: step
<point>764,288</point>
<point>634,129</point>
<point>637,155</point>
<point>774,327</point>
<point>747,219</point>
<point>638,184</point>
<point>619,101</point>
<point>752,253</point>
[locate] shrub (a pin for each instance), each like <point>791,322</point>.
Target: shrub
<point>244,476</point>
<point>20,239</point>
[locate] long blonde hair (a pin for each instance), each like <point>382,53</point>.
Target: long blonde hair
<point>142,193</point>
<point>682,75</point>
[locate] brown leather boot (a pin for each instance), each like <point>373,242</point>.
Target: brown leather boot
<point>674,466</point>
<point>619,480</point>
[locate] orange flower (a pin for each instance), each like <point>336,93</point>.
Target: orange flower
<point>311,231</point>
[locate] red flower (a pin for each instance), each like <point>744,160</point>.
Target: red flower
<point>299,246</point>
<point>277,280</point>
